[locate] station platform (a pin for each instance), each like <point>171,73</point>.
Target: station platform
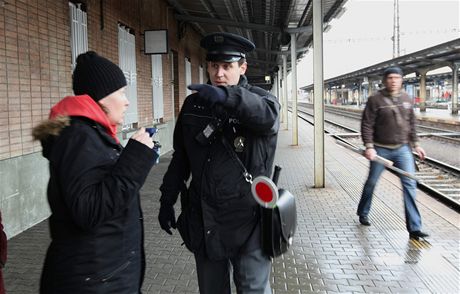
<point>438,115</point>
<point>332,252</point>
<point>432,115</point>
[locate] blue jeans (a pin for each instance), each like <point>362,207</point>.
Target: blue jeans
<point>251,273</point>
<point>402,158</point>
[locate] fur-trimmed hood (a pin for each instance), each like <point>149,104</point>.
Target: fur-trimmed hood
<point>60,117</point>
<point>50,127</point>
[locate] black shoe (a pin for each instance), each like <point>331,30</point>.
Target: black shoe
<point>364,220</point>
<point>417,234</point>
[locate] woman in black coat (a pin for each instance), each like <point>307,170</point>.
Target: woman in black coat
<point>96,222</point>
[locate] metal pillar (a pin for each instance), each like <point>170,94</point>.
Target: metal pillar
<point>275,90</point>
<point>318,85</point>
<point>278,82</point>
<point>324,95</point>
<point>395,38</point>
<point>367,90</point>
<point>423,91</point>
<point>360,93</point>
<point>295,137</point>
<point>455,67</point>
<point>279,93</point>
<point>285,93</point>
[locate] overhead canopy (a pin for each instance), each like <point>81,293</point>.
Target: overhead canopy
<point>268,23</point>
<point>438,56</point>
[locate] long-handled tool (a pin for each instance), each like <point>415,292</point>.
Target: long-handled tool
<point>387,163</point>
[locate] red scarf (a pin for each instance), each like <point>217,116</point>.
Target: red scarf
<point>85,106</point>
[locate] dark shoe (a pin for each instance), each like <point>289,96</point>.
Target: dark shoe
<point>364,220</point>
<point>417,234</point>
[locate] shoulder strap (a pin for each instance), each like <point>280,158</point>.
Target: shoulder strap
<point>396,111</point>
<point>231,152</point>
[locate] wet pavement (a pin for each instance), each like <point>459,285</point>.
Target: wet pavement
<point>332,252</point>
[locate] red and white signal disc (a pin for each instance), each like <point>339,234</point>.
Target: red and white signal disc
<point>264,191</point>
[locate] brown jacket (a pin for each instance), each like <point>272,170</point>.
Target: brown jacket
<point>388,121</point>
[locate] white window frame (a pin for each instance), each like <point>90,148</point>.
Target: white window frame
<point>157,87</point>
<point>201,74</point>
<point>188,75</point>
<point>78,31</point>
<point>127,63</point>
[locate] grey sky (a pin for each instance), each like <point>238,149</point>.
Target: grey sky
<point>362,35</point>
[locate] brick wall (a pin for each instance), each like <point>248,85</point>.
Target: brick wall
<point>34,70</point>
<point>35,59</point>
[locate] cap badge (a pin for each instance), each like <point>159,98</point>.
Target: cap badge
<point>219,39</point>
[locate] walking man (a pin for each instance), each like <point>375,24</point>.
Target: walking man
<point>388,130</point>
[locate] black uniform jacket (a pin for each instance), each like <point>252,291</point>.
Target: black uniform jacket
<point>221,209</point>
<point>96,221</point>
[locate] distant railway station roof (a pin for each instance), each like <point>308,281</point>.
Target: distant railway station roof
<point>267,23</point>
<point>438,56</point>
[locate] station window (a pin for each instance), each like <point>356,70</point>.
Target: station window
<point>201,74</point>
<point>78,31</point>
<point>188,75</point>
<point>127,63</point>
<point>157,87</point>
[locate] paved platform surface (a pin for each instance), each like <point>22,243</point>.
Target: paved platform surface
<point>436,113</point>
<point>332,252</point>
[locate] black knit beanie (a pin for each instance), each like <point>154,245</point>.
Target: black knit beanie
<point>392,70</point>
<point>96,76</point>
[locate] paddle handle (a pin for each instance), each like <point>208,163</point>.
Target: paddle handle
<point>276,174</point>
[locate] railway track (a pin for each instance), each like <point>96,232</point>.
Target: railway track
<point>439,134</point>
<point>438,179</point>
<point>423,131</point>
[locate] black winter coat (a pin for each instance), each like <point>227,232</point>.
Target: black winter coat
<point>96,223</point>
<point>220,209</point>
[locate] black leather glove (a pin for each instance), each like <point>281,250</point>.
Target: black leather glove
<point>167,218</point>
<point>211,94</point>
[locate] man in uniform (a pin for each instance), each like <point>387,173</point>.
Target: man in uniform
<point>225,127</point>
<point>388,130</point>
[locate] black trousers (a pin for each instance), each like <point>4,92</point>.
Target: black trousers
<point>251,273</point>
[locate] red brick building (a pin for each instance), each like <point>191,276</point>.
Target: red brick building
<point>36,46</point>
